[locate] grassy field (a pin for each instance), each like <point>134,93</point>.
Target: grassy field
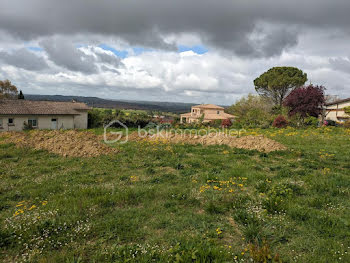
<point>154,202</point>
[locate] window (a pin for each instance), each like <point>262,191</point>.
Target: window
<point>218,112</point>
<point>11,122</point>
<point>192,110</point>
<point>33,122</point>
<point>0,123</point>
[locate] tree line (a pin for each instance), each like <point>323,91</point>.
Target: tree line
<point>282,98</point>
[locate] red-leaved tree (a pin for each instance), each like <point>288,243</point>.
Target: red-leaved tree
<point>305,101</point>
<point>226,123</point>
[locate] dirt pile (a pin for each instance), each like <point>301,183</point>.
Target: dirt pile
<point>66,143</point>
<point>259,143</point>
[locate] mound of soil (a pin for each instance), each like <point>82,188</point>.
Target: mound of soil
<point>259,143</point>
<point>66,143</point>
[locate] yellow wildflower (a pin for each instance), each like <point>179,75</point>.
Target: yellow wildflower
<point>32,207</point>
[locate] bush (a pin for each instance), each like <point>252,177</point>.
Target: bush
<point>95,118</point>
<point>280,122</point>
<point>151,125</point>
<point>215,124</point>
<point>226,123</point>
<point>311,121</point>
<point>27,127</point>
<point>252,112</point>
<point>263,253</point>
<point>347,124</point>
<point>330,123</point>
<point>276,198</point>
<point>347,110</point>
<point>101,117</point>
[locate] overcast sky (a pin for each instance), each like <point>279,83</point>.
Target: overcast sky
<point>199,51</point>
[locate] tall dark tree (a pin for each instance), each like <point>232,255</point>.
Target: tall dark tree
<point>306,101</point>
<point>20,95</point>
<point>7,90</point>
<point>278,82</point>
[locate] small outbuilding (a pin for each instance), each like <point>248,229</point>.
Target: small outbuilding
<point>51,115</point>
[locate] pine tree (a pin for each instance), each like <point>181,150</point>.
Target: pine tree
<point>20,95</point>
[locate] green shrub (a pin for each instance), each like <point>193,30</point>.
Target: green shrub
<point>252,111</point>
<point>347,124</point>
<point>27,127</point>
<point>311,121</point>
<point>276,198</point>
<point>214,208</point>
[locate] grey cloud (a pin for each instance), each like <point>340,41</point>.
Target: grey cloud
<point>65,54</point>
<point>109,59</point>
<point>224,24</point>
<point>23,58</point>
<point>274,43</point>
<point>340,64</point>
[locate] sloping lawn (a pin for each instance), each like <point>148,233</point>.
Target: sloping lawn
<point>180,203</point>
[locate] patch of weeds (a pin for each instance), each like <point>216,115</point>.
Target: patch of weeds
<point>178,196</point>
<point>253,232</point>
<point>214,208</point>
<point>150,171</point>
<point>263,253</point>
<point>263,155</point>
<point>276,168</point>
<point>215,171</point>
<point>299,213</point>
<point>242,217</point>
<point>276,198</point>
<point>262,186</point>
<point>240,201</point>
<point>179,166</point>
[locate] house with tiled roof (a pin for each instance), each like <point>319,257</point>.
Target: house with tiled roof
<point>209,112</point>
<point>16,114</point>
<point>335,111</point>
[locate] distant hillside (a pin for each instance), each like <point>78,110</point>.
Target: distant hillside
<point>175,107</point>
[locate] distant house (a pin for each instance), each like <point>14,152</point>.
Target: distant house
<point>335,110</point>
<point>209,112</point>
<point>14,114</point>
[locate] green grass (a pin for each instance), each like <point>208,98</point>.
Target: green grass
<point>180,203</point>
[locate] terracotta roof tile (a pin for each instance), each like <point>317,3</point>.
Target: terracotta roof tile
<point>28,107</point>
<point>337,102</point>
<point>208,106</point>
<point>221,116</point>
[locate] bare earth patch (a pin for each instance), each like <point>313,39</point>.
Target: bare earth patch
<point>66,143</point>
<point>259,143</point>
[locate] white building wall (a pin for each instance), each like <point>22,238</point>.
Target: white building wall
<point>336,112</point>
<point>81,121</point>
<point>44,122</point>
<point>18,123</point>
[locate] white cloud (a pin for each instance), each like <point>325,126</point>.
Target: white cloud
<point>213,77</point>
